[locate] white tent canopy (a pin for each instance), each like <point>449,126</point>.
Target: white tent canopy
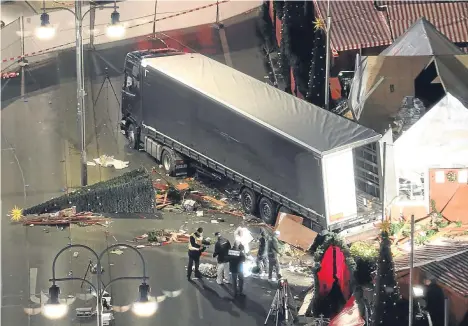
<point>438,139</point>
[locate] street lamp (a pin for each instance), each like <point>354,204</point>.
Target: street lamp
<point>115,29</point>
<point>46,31</point>
<point>145,306</point>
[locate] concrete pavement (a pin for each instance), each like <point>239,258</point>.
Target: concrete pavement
<point>40,160</point>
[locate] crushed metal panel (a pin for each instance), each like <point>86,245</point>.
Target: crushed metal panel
<point>294,233</point>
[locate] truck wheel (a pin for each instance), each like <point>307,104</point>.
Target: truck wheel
<point>267,210</point>
<point>249,200</point>
<point>167,161</point>
<point>132,137</point>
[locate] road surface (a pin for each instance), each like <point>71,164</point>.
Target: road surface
<point>40,160</point>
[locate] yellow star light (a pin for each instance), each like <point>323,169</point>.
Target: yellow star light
<point>385,226</point>
<point>319,24</point>
<point>16,214</point>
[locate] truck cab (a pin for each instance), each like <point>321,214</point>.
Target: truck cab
<point>131,91</point>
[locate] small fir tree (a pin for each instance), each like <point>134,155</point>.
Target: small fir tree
<point>387,293</point>
<point>316,86</point>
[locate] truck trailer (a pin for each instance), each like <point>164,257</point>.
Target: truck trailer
<point>286,154</point>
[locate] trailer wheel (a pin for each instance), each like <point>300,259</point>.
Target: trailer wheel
<point>267,210</point>
<point>249,200</point>
<point>168,162</point>
<point>132,137</point>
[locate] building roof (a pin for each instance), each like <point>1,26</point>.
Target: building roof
<point>422,38</point>
<point>447,263</point>
<point>450,17</point>
<point>308,125</point>
<point>355,24</point>
<point>358,24</point>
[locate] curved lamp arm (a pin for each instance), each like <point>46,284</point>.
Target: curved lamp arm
<point>73,279</point>
<point>66,248</point>
<point>98,258</point>
<point>74,14</point>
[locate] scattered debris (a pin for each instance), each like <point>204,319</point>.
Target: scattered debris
<point>183,186</point>
<point>90,163</point>
<point>199,213</point>
<point>109,161</point>
<point>207,270</point>
<point>66,217</point>
<point>189,205</point>
<point>214,222</point>
<point>75,254</point>
<point>117,252</point>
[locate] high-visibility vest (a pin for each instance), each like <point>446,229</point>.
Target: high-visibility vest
<point>198,241</point>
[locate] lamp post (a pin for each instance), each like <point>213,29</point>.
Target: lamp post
<point>46,31</point>
<point>144,307</point>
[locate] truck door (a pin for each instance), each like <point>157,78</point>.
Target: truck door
<point>131,92</point>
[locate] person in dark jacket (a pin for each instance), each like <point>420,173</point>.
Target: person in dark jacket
<point>221,251</point>
<point>262,255</point>
<point>236,262</point>
<point>273,252</point>
<point>196,246</point>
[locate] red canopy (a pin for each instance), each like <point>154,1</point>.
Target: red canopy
<point>349,316</point>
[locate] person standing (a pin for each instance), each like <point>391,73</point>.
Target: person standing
<point>236,262</point>
<point>195,249</point>
<point>273,253</point>
<point>221,252</point>
<point>262,255</point>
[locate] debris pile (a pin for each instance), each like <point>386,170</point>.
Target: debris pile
<point>207,270</point>
<point>181,198</point>
<point>108,161</point>
<point>162,237</point>
<point>66,217</point>
<point>129,193</point>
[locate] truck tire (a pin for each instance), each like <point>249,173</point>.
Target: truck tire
<point>249,200</point>
<point>168,161</point>
<point>132,137</point>
<point>267,210</point>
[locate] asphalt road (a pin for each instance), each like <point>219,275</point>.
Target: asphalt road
<point>40,160</point>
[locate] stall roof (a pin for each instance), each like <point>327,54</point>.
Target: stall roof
<point>453,73</point>
<point>439,138</point>
<point>421,39</point>
<point>308,125</point>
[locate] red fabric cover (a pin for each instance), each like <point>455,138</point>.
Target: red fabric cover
<point>293,82</point>
<point>325,275</point>
<point>342,273</point>
<point>349,316</point>
<point>278,31</point>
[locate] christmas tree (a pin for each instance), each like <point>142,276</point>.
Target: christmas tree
<point>387,294</point>
<point>285,44</point>
<point>131,192</point>
<point>316,85</point>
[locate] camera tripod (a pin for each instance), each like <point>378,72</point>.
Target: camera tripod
<point>282,308</point>
<point>106,78</point>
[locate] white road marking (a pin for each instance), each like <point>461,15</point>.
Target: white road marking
<point>225,46</point>
<point>32,285</point>
<point>199,304</point>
